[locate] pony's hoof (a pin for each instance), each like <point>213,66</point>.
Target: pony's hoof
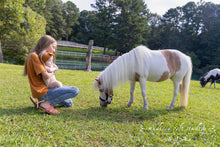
<point>145,108</point>
<point>170,107</point>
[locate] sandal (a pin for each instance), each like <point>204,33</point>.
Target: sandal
<point>49,110</point>
<point>33,101</point>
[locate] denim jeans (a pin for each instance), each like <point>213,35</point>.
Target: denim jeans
<point>61,96</point>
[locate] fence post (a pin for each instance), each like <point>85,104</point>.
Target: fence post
<point>88,56</point>
<point>1,54</point>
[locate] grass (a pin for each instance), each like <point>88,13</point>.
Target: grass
<point>87,124</point>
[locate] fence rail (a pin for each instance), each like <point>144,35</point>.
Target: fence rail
<point>81,65</point>
<point>78,54</point>
<point>78,45</point>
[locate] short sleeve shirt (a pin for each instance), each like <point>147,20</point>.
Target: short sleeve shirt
<point>34,70</point>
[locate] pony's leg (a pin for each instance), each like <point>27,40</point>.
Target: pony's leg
<point>215,84</point>
<point>143,92</point>
<point>132,87</point>
<point>211,83</point>
<point>175,92</point>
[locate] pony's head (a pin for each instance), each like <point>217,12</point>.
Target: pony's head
<point>203,82</point>
<point>106,94</point>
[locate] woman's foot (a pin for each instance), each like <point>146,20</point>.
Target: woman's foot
<point>45,106</point>
<point>33,101</point>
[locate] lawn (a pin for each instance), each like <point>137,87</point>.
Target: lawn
<point>87,124</point>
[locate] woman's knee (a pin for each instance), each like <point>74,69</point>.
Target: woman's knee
<point>75,91</point>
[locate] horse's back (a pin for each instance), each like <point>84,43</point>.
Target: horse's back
<point>160,65</point>
<point>214,72</point>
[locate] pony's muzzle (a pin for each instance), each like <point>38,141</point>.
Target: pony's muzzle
<point>103,104</point>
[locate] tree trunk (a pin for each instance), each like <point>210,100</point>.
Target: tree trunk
<point>89,56</point>
<point>1,54</point>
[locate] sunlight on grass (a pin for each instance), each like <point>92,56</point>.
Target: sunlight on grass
<point>88,124</point>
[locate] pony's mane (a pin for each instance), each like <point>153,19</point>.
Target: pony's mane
<point>203,77</point>
<point>122,69</point>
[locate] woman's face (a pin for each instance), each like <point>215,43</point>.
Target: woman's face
<point>52,48</point>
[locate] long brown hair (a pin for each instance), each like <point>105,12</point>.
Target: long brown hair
<point>43,43</point>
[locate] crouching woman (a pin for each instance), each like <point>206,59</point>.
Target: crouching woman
<point>43,97</point>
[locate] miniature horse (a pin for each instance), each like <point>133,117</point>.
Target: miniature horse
<point>142,64</point>
<point>212,75</point>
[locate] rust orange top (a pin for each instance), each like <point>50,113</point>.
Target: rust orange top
<point>34,70</point>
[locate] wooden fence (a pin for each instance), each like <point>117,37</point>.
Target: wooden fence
<point>75,64</point>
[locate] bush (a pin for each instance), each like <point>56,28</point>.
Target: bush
<point>19,43</point>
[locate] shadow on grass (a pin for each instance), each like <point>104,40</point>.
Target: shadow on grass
<point>117,114</point>
<point>212,88</point>
<point>17,111</point>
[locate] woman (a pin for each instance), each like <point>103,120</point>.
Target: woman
<point>36,71</point>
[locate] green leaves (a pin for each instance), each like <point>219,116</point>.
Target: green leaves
<point>22,40</point>
<point>11,15</point>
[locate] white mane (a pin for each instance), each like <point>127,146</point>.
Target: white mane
<point>123,68</point>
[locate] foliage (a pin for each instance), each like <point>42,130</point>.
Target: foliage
<point>70,15</point>
<point>10,16</point>
<point>192,29</point>
<point>20,42</point>
<point>55,21</point>
<point>87,124</point>
<point>84,30</point>
<point>115,23</point>
<point>131,24</point>
<point>37,6</point>
<point>124,24</point>
<point>104,20</point>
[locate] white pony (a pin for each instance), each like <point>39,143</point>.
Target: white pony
<point>142,64</point>
<point>212,75</point>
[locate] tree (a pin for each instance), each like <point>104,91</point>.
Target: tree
<point>70,15</point>
<point>10,18</point>
<point>36,5</point>
<point>153,39</point>
<point>83,31</point>
<point>106,13</point>
<point>193,29</point>
<point>22,40</point>
<point>130,24</point>
<point>56,24</point>
<point>210,35</point>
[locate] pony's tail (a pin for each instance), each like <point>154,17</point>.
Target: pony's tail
<point>184,87</point>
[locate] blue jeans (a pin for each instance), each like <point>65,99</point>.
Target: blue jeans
<point>61,96</point>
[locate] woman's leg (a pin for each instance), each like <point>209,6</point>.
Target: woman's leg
<point>60,95</point>
<point>66,103</point>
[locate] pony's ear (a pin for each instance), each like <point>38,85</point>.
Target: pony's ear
<point>98,80</point>
<point>96,83</point>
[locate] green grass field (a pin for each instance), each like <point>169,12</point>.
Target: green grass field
<point>87,124</point>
